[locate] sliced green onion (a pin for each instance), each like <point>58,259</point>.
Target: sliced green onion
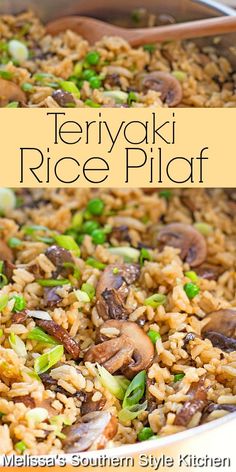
<point>111,382</point>
<point>178,377</point>
<point>37,334</point>
<point>67,242</point>
<point>144,256</point>
<point>18,50</point>
<point>203,228</point>
<point>5,74</point>
<point>76,273</point>
<point>3,280</point>
<point>27,87</point>
<point>7,199</point>
<point>89,289</point>
<point>20,446</point>
<point>179,75</point>
<point>29,230</point>
<point>149,47</point>
<point>1,414</point>
<point>90,103</point>
<point>117,95</point>
<point>155,300</point>
<point>135,390</point>
<point>3,302</point>
<point>94,263</point>
<point>82,296</point>
<point>191,275</point>
<point>47,360</point>
<point>132,97</point>
<point>70,87</point>
<point>191,290</point>
<point>14,242</point>
<point>20,303</point>
<point>153,335</point>
<point>77,220</point>
<point>128,414</point>
<point>1,332</point>
<point>52,282</point>
<point>115,271</point>
<point>78,69</point>
<point>130,254</point>
<point>145,433</point>
<point>17,345</point>
<point>37,415</point>
<point>12,105</point>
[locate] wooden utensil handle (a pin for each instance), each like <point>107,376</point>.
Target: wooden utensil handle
<point>193,29</point>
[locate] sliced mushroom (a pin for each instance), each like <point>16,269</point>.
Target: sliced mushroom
<point>52,384</point>
<point>214,407</point>
<point>128,221</point>
<point>6,255</point>
<point>26,399</point>
<point>209,271</point>
<point>197,401</point>
<point>61,335</point>
<point>50,297</point>
<point>185,237</point>
<point>92,431</point>
<point>165,83</point>
<point>130,352</point>
<point>113,288</point>
<point>10,92</point>
<point>63,99</point>
<point>59,257</point>
<point>221,329</point>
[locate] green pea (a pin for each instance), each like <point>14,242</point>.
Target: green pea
<point>92,58</point>
<point>92,104</point>
<point>88,74</point>
<point>98,236</point>
<point>191,290</point>
<point>90,226</point>
<point>145,433</point>
<point>20,303</point>
<point>95,206</point>
<point>153,335</point>
<point>95,82</point>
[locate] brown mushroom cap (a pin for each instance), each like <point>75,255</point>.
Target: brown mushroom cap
<point>165,83</point>
<point>130,352</point>
<point>112,290</point>
<point>59,256</point>
<point>185,237</point>
<point>196,402</point>
<point>91,432</point>
<point>10,92</point>
<point>221,329</point>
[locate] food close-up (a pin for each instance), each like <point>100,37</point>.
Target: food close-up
<point>53,65</point>
<point>118,315</point>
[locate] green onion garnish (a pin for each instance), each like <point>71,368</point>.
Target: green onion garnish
<point>167,194</point>
<point>3,302</point>
<point>94,263</point>
<point>155,300</point>
<point>14,242</point>
<point>178,377</point>
<point>153,335</point>
<point>130,254</point>
<point>37,334</point>
<point>89,289</point>
<point>29,230</point>
<point>191,290</point>
<point>20,446</point>
<point>47,360</point>
<point>111,382</point>
<point>20,303</point>
<point>67,242</point>
<point>7,200</point>
<point>191,275</point>
<point>17,345</point>
<point>128,414</point>
<point>135,390</point>
<point>144,256</point>
<point>52,282</point>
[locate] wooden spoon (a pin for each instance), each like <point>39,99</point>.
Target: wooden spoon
<point>93,30</point>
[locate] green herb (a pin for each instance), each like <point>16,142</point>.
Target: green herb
<point>145,433</point>
<point>191,290</point>
<point>52,282</point>
<point>47,360</point>
<point>167,194</point>
<point>149,47</point>
<point>132,97</point>
<point>20,446</point>
<point>192,275</point>
<point>3,302</point>
<point>67,242</point>
<point>92,58</point>
<point>94,263</point>
<point>144,256</point>
<point>128,414</point>
<point>115,384</point>
<point>203,228</point>
<point>98,236</point>
<point>178,377</point>
<point>14,242</point>
<point>89,289</point>
<point>18,50</point>
<point>155,300</point>
<point>5,74</point>
<point>135,390</point>
<point>90,103</point>
<point>20,303</point>
<point>37,334</point>
<point>96,206</point>
<point>153,335</point>
<point>29,230</point>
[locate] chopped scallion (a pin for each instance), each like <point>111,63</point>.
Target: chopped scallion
<point>47,360</point>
